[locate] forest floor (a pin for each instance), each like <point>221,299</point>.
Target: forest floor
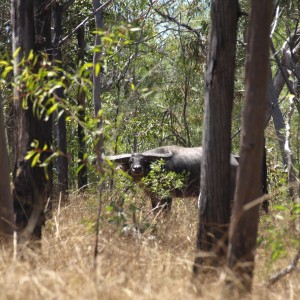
<point>156,264</point>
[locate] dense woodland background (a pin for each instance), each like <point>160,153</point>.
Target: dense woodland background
<point>136,82</point>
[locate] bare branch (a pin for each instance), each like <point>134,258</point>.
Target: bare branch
<point>188,27</point>
<point>103,6</point>
<point>290,268</point>
<point>287,82</point>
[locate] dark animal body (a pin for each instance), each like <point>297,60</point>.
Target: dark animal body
<point>178,159</point>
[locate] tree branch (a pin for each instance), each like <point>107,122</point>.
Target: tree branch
<point>103,6</point>
<point>289,86</point>
<point>285,271</point>
<point>188,27</point>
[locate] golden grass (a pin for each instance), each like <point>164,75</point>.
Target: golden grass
<point>154,265</point>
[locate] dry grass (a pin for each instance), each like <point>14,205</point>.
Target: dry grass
<point>154,265</point>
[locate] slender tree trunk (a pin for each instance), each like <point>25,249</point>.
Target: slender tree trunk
<point>97,85</point>
<point>215,196</point>
<point>265,204</point>
<point>6,200</point>
<point>187,73</point>
<point>244,222</point>
<point>62,160</point>
<point>289,59</point>
<point>43,44</point>
<point>277,116</point>
<point>82,174</point>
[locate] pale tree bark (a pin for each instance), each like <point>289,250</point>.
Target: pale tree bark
<point>6,200</point>
<point>244,221</point>
<point>215,196</point>
<point>291,55</point>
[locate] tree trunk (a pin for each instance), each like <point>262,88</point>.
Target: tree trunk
<point>290,58</point>
<point>244,222</point>
<point>62,160</point>
<point>43,44</point>
<point>214,214</point>
<point>277,116</point>
<point>6,200</point>
<point>29,182</point>
<point>97,85</point>
<point>82,174</point>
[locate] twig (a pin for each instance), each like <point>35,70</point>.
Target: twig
<point>285,271</point>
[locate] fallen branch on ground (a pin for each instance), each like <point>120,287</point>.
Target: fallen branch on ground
<point>285,271</point>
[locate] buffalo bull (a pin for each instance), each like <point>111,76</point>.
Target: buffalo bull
<point>178,159</point>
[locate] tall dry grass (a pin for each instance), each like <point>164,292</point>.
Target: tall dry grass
<point>154,265</point>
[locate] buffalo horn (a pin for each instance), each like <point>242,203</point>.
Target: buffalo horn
<point>121,158</point>
<point>166,155</point>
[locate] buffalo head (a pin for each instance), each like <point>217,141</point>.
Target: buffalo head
<point>138,164</point>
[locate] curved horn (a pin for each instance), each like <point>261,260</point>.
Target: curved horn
<point>153,155</point>
<point>121,158</point>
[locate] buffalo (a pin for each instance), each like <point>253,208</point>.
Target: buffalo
<point>177,159</point>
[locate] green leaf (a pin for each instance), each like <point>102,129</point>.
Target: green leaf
<point>30,154</point>
<point>16,52</point>
<point>3,63</point>
<point>52,109</point>
<point>97,69</point>
<point>35,159</point>
<point>6,71</point>
<point>280,208</point>
<point>31,55</point>
<point>51,74</point>
<point>85,67</point>
<point>54,88</point>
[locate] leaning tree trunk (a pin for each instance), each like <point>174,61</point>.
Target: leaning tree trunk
<point>244,222</point>
<point>214,213</point>
<point>6,200</point>
<point>291,55</point>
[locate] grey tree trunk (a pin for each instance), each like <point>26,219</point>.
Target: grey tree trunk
<point>244,221</point>
<point>290,58</point>
<point>214,214</point>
